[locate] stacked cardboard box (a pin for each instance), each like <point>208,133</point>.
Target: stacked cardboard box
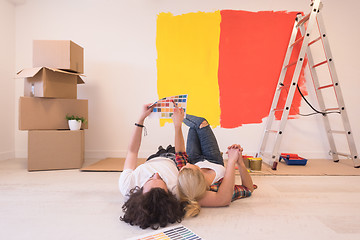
<point>50,93</point>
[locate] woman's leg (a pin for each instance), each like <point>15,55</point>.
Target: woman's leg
<point>193,121</point>
<point>209,146</point>
<point>193,147</point>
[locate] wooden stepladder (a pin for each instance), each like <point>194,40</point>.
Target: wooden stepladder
<point>304,25</point>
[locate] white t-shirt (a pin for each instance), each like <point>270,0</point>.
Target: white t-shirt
<point>164,166</point>
<point>218,169</point>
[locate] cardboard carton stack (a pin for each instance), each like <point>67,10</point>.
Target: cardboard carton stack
<point>50,93</point>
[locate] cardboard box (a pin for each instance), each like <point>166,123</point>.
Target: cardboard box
<point>49,113</point>
<point>49,82</point>
<point>61,54</point>
<point>55,149</point>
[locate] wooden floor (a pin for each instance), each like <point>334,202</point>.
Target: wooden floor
<point>86,205</point>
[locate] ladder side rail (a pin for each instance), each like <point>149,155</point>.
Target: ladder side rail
<point>321,102</point>
<point>288,54</point>
<point>276,97</point>
<point>339,95</point>
<point>294,81</point>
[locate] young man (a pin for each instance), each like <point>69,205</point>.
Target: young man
<point>149,189</point>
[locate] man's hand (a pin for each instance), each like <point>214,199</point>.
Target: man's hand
<point>146,110</point>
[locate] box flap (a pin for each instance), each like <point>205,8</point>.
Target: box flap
<point>79,79</point>
<point>31,72</point>
<point>28,72</point>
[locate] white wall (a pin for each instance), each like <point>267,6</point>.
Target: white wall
<point>120,65</point>
<point>7,83</point>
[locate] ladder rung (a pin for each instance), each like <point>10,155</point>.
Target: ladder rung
<point>271,131</point>
<point>303,20</point>
<point>319,64</point>
<point>278,109</point>
<point>297,41</point>
<point>344,154</point>
<point>283,87</point>
<point>337,131</point>
<point>326,86</point>
<point>314,41</point>
<point>289,65</point>
<point>266,155</point>
<point>332,109</point>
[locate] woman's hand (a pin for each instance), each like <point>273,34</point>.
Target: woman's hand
<point>244,174</point>
<point>235,154</point>
<point>178,116</point>
<point>236,146</point>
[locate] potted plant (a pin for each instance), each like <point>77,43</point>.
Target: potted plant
<point>75,122</point>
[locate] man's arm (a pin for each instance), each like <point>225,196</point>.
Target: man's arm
<point>135,141</point>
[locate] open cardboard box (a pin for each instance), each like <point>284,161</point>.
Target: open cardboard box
<point>50,113</point>
<point>55,149</point>
<point>61,54</point>
<point>49,82</point>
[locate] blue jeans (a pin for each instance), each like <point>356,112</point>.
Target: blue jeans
<point>201,142</point>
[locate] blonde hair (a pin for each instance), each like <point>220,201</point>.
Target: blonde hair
<point>192,187</point>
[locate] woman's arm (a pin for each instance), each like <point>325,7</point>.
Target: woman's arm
<point>178,118</point>
<point>225,192</point>
<point>135,141</point>
<point>246,180</point>
<point>181,156</point>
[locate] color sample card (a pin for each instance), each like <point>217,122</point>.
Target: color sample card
<point>173,233</point>
<point>164,108</point>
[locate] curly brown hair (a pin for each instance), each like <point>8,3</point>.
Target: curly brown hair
<point>154,209</point>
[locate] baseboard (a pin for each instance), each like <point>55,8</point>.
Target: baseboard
<point>21,154</point>
<point>113,154</point>
<point>310,155</point>
<point>145,154</point>
<point>100,154</point>
<point>7,155</point>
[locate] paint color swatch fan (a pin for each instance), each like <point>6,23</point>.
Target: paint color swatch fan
<point>177,232</point>
<point>164,108</point>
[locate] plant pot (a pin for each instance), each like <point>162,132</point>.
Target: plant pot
<point>74,124</point>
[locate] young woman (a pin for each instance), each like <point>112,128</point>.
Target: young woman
<point>149,189</point>
<point>203,180</point>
